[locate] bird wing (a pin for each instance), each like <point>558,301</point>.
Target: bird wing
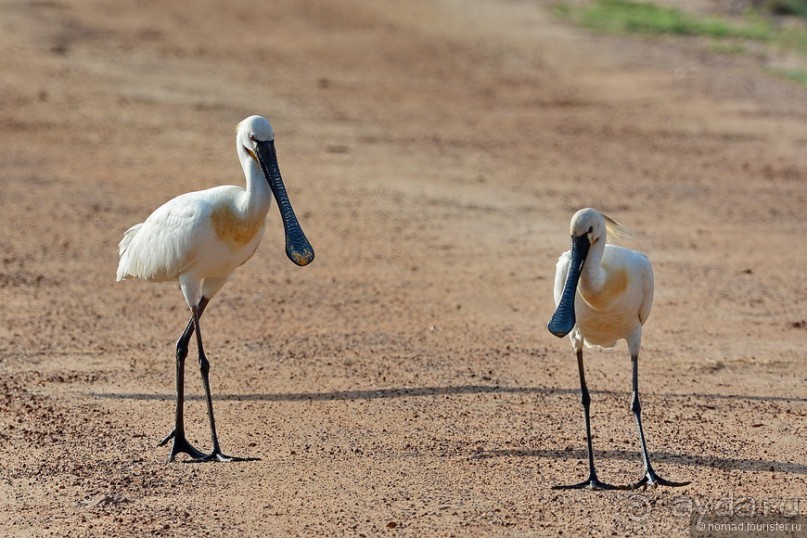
<point>647,289</point>
<point>167,242</point>
<point>561,272</point>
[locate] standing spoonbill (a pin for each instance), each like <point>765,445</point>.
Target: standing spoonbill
<point>199,239</point>
<point>603,293</point>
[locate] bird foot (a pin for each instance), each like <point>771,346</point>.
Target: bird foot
<point>592,483</point>
<point>216,455</point>
<point>651,479</point>
<point>181,444</point>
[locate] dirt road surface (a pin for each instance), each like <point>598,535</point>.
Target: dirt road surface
<point>404,383</point>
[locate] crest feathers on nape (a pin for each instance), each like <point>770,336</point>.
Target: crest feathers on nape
<point>615,229</point>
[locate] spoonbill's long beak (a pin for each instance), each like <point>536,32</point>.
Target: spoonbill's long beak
<point>562,321</point>
<point>298,249</point>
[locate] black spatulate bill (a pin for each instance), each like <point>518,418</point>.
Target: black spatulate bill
<point>298,249</point>
<point>562,321</point>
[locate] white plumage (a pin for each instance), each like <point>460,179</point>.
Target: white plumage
<point>185,240</point>
<point>179,237</point>
<point>615,294</point>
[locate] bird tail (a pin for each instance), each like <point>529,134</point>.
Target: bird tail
<point>123,251</point>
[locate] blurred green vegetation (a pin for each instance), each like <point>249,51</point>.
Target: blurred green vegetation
<point>795,74</point>
<point>629,17</point>
<point>632,17</point>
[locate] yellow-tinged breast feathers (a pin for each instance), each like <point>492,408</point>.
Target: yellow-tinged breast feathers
<point>232,227</point>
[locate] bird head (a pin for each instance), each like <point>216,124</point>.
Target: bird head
<point>249,133</point>
<point>255,139</point>
<point>588,223</point>
<point>596,226</point>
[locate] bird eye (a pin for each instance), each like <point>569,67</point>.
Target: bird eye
<point>252,137</point>
<point>590,229</point>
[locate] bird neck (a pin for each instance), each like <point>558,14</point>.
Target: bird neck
<point>592,278</point>
<point>258,194</point>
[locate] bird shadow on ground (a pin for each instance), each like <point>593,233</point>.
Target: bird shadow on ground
<point>713,462</point>
<point>745,464</point>
<point>406,392</point>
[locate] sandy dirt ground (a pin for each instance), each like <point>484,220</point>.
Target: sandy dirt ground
<point>404,383</point>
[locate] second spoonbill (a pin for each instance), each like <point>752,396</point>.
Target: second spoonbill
<point>603,293</point>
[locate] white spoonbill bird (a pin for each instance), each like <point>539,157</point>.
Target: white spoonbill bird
<point>199,239</point>
<point>603,293</point>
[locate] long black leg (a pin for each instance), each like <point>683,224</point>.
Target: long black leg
<point>592,482</point>
<point>204,368</point>
<point>650,477</point>
<point>181,443</point>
